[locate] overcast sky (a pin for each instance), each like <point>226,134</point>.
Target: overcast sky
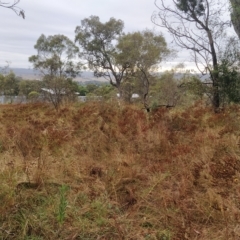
<point>49,17</point>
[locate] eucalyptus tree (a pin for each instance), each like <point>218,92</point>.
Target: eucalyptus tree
<point>143,51</point>
<point>98,44</point>
<point>9,84</point>
<point>56,60</point>
<point>197,26</point>
<point>55,56</point>
<point>57,89</point>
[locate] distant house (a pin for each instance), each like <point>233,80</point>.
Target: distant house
<point>52,92</point>
<point>134,95</point>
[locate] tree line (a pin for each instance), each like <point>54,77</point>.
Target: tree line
<point>104,49</point>
<point>127,59</point>
<point>167,89</point>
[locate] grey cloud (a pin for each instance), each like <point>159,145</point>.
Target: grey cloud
<point>48,17</point>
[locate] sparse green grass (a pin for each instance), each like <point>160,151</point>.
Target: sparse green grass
<point>103,171</point>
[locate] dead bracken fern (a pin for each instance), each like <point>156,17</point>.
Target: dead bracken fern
<point>168,174</point>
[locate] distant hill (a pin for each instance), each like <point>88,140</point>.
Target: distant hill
<point>85,77</point>
<point>31,74</point>
<point>26,73</point>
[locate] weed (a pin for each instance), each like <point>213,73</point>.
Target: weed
<point>62,204</point>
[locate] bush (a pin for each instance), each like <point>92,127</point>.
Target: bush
<point>33,96</point>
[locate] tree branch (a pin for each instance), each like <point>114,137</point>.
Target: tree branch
<point>20,12</point>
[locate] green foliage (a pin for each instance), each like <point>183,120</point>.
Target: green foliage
<point>82,90</point>
<point>193,7</point>
<point>228,71</point>
<point>93,35</point>
<point>2,83</point>
<point>120,58</point>
<point>28,86</point>
<point>33,95</point>
<point>97,41</point>
<point>55,54</point>
<point>129,86</point>
<point>90,88</point>
<point>62,204</point>
<point>9,84</point>
<point>229,83</point>
<point>105,91</point>
<point>55,61</point>
<point>58,89</point>
<point>171,90</point>
<point>142,49</point>
<point>166,91</point>
<point>193,85</point>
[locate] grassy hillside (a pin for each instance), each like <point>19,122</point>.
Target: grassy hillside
<point>103,171</point>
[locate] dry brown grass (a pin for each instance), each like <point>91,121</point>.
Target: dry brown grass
<point>171,174</point>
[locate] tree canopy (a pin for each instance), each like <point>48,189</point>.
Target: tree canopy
<point>56,60</point>
<point>117,56</point>
<point>97,41</point>
<point>55,55</point>
<point>142,51</point>
<point>192,7</point>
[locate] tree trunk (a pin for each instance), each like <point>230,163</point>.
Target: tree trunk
<point>235,16</point>
<point>145,81</point>
<point>214,73</point>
